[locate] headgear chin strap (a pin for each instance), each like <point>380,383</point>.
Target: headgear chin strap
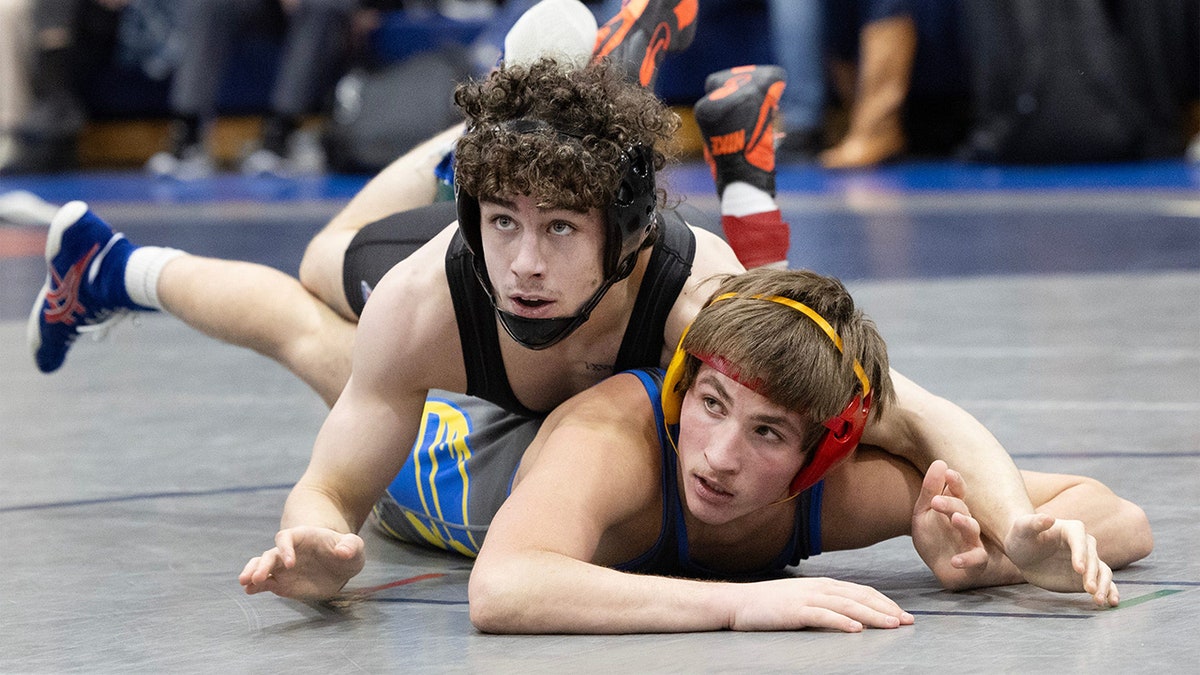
<point>844,430</point>
<point>630,223</point>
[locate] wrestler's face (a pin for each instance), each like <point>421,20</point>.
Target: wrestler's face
<point>738,451</point>
<point>543,263</point>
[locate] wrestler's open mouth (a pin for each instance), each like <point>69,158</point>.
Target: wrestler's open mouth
<point>532,303</point>
<point>532,307</point>
<point>711,490</point>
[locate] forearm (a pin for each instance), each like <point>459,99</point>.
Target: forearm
<point>308,505</point>
<point>550,593</point>
<point>926,428</point>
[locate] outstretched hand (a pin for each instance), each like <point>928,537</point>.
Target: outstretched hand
<point>1059,555</point>
<point>307,563</point>
<point>792,604</point>
<point>945,535</point>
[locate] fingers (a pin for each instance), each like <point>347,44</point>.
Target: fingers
<point>931,486</point>
<point>863,605</point>
<point>348,546</point>
<point>257,575</point>
<point>286,545</point>
<point>258,570</point>
<point>1098,577</point>
<point>955,484</point>
<point>1107,595</point>
<point>1041,522</point>
<point>972,554</point>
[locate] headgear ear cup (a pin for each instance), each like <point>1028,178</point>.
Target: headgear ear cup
<point>838,443</point>
<point>672,400</point>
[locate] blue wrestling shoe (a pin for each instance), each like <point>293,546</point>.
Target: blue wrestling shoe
<point>737,120</point>
<point>85,284</point>
<point>645,31</point>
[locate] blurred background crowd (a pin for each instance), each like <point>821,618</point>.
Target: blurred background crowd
<point>184,88</point>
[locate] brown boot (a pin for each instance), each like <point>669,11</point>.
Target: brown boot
<point>876,133</point>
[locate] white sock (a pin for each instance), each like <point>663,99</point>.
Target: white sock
<point>142,270</point>
<point>563,29</point>
<point>743,199</point>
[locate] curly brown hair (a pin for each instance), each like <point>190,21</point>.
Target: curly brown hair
<point>593,115</point>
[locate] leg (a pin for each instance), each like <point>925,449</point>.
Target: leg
<point>797,43</point>
<point>263,309</point>
<point>207,29</point>
<point>405,184</point>
<point>888,48</point>
<point>737,120</point>
<point>16,49</point>
<point>316,40</point>
<point>94,276</point>
<point>1121,529</point>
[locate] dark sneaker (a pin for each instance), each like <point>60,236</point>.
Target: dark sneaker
<point>70,302</point>
<point>643,32</point>
<point>737,120</point>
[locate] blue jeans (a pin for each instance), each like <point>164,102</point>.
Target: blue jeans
<point>798,44</point>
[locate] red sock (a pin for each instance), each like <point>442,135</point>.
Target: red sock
<point>757,238</point>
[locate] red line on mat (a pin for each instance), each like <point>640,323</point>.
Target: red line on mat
<point>398,582</point>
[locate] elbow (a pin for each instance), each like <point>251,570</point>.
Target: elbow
<point>492,601</point>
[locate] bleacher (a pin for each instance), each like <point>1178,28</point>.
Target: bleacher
<point>129,111</point>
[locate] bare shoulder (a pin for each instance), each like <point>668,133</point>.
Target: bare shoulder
<point>408,327</point>
<point>589,483</point>
<point>714,260</point>
<point>610,427</point>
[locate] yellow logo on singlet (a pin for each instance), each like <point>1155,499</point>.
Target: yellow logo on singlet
<point>442,448</point>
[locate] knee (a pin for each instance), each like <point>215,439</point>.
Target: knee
<point>319,264</point>
<point>1140,538</point>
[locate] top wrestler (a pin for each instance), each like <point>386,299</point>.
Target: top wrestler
<point>557,203</point>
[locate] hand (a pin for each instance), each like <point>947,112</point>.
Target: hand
<point>1059,555</point>
<point>944,533</point>
<point>791,604</point>
<point>307,563</point>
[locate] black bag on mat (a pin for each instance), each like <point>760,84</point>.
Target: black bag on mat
<point>379,114</point>
<point>1057,81</point>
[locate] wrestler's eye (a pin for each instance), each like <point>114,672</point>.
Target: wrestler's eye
<point>768,432</point>
<point>502,222</point>
<point>561,227</point>
<point>712,405</point>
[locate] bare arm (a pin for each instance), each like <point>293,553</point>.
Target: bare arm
<point>588,496</point>
<point>1079,534</point>
<point>1054,546</point>
<point>922,428</point>
<point>361,446</point>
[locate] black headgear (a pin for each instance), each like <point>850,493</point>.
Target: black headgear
<point>630,225</point>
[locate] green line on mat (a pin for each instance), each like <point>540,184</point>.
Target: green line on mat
<point>1147,597</point>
